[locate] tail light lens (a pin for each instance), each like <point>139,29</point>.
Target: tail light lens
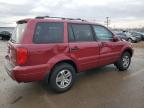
<point>21,55</point>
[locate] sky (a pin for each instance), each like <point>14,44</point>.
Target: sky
<point>122,13</point>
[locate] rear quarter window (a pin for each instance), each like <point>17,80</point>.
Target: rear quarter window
<point>49,32</point>
<point>18,33</point>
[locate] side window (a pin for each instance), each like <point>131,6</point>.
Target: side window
<point>133,34</point>
<point>70,34</point>
<point>121,34</point>
<point>82,32</point>
<point>49,32</point>
<point>102,33</point>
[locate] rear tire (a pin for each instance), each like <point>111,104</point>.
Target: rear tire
<point>62,77</point>
<point>124,62</point>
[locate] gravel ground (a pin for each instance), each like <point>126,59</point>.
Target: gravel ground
<point>139,45</point>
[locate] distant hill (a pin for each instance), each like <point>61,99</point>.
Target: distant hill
<point>10,29</point>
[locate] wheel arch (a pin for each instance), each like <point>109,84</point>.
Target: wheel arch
<point>129,50</point>
<point>68,61</point>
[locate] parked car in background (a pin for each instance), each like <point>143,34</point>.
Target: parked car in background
<point>125,35</point>
<point>5,35</point>
<point>122,36</point>
<point>142,35</point>
<point>137,36</point>
<point>56,49</point>
<point>131,37</point>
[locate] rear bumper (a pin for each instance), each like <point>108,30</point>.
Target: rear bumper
<point>26,73</point>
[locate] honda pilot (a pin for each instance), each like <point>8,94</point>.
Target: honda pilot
<point>56,49</point>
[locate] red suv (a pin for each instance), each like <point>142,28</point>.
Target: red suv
<point>56,49</point>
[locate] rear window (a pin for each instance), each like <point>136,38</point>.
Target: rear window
<point>49,32</point>
<point>18,33</point>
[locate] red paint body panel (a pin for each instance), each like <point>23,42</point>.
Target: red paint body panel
<point>43,57</point>
<point>87,56</point>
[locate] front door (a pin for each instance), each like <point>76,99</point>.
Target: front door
<point>107,49</point>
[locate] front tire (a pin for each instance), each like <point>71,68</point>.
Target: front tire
<point>62,77</point>
<point>124,62</point>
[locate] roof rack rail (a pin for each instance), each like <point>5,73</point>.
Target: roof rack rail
<point>63,18</point>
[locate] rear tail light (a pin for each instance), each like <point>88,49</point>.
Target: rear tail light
<point>21,55</point>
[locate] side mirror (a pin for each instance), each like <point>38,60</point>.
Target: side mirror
<point>115,39</point>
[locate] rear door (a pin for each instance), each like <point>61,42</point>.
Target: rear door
<point>83,47</point>
<point>48,43</point>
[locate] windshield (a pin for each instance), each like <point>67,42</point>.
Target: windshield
<point>18,33</point>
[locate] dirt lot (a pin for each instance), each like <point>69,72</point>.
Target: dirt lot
<point>139,45</point>
<point>99,88</point>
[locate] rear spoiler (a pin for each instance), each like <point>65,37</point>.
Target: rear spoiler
<point>22,21</point>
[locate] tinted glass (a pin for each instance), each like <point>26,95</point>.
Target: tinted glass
<point>134,34</point>
<point>82,32</point>
<point>102,33</point>
<point>70,33</point>
<point>49,32</point>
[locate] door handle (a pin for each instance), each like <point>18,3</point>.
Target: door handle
<point>104,44</point>
<point>74,49</point>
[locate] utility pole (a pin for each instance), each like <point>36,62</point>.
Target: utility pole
<point>107,22</point>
